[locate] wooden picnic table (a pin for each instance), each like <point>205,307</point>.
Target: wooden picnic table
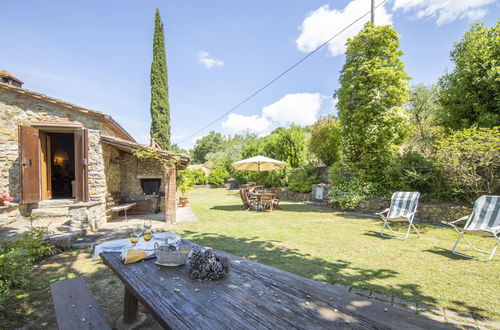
<point>262,195</point>
<point>253,296</point>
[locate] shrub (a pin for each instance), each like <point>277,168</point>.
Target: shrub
<point>14,266</point>
<point>349,192</point>
<point>218,176</point>
<point>17,256</point>
<point>325,140</point>
<point>301,180</point>
<point>33,244</point>
<point>413,171</point>
<point>468,162</point>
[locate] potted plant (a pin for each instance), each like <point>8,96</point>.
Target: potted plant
<point>185,186</point>
<point>5,197</point>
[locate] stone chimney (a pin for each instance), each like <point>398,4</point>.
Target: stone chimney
<point>9,79</point>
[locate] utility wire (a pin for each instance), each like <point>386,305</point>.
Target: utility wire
<point>278,76</point>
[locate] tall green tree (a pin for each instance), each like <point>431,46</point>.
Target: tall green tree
<point>470,94</point>
<point>207,144</point>
<point>160,108</point>
<point>374,89</point>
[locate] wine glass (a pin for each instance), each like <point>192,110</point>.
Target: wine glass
<point>147,230</point>
<point>133,238</point>
<point>138,230</point>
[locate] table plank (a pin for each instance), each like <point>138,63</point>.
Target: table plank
<point>254,296</point>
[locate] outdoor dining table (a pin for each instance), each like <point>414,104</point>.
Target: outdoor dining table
<point>252,296</point>
<point>260,195</point>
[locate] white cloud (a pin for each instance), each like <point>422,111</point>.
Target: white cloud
<point>209,62</point>
<point>300,108</point>
<point>445,11</point>
<point>252,124</point>
<point>323,23</point>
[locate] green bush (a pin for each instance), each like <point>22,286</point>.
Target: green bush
<point>413,171</point>
<point>218,176</point>
<point>301,180</point>
<point>468,164</point>
<point>325,140</point>
<point>14,266</point>
<point>16,258</point>
<point>196,176</point>
<point>347,193</point>
<point>33,244</point>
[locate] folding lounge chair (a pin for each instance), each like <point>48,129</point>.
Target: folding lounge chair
<point>403,208</point>
<point>483,221</point>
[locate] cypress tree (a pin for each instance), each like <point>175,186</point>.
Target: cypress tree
<point>160,108</point>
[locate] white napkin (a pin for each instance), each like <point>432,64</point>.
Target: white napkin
<point>122,245</point>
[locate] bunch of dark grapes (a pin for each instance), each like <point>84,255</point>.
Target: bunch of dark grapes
<point>206,264</point>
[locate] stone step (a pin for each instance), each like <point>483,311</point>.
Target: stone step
<point>64,240</point>
<point>49,203</point>
<point>51,212</point>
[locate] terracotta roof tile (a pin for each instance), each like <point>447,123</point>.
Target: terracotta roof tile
<point>5,73</point>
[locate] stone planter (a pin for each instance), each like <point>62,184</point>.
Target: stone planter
<point>183,201</point>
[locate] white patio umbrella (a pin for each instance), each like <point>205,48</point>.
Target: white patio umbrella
<point>259,163</point>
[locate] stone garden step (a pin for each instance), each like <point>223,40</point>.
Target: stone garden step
<point>55,203</point>
<point>50,212</point>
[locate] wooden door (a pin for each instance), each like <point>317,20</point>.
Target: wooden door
<point>81,165</point>
<point>46,165</point>
<point>29,154</point>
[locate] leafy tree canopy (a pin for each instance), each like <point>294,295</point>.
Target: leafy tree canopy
<point>374,88</point>
<point>325,140</point>
<point>470,94</point>
<point>209,143</point>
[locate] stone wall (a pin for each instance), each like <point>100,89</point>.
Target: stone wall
<point>427,212</point>
<point>9,213</point>
<point>20,110</point>
<point>112,168</point>
<point>16,110</point>
<point>132,170</point>
<point>296,196</point>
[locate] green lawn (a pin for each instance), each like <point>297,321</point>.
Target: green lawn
<point>347,249</point>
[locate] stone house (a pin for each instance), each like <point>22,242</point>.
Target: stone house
<point>62,159</point>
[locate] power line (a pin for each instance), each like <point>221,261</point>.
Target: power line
<point>280,75</point>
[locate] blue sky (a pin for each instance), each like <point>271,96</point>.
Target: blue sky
<point>97,54</point>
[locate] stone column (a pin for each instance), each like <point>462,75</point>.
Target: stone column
<point>170,196</point>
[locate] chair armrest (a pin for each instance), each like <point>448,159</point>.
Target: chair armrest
<point>384,211</point>
<point>452,223</point>
<point>461,219</point>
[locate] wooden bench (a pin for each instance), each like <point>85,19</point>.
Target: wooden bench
<point>75,306</point>
<point>113,207</point>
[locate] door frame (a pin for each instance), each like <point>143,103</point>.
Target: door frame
<point>80,135</point>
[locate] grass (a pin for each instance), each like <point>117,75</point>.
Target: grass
<point>347,249</point>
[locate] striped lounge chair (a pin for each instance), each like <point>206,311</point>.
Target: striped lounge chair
<point>403,208</point>
<point>483,221</point>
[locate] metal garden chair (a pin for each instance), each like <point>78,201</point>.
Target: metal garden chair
<point>483,221</point>
<point>403,208</point>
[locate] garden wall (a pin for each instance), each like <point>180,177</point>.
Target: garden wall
<point>9,213</point>
<point>427,212</point>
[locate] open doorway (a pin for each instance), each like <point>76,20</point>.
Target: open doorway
<point>58,165</point>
